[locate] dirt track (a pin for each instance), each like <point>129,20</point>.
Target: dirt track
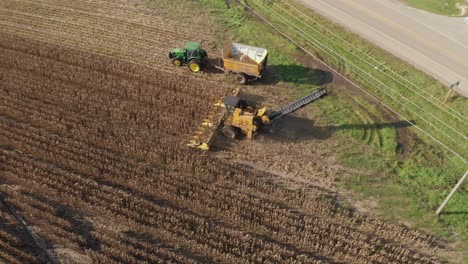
<point>92,156</point>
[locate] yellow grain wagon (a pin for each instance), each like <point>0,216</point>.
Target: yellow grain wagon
<point>247,62</point>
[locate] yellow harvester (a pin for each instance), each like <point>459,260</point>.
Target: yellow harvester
<point>240,118</point>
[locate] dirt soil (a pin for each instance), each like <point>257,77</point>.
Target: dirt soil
<point>93,126</point>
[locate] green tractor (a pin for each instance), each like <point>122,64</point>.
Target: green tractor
<point>191,55</point>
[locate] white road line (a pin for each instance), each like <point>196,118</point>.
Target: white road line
<point>404,45</point>
<point>422,23</point>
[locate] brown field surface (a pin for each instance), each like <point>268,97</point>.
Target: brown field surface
<point>93,126</point>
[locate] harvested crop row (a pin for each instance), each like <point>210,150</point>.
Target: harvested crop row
<point>157,214</point>
<point>93,34</point>
<point>87,30</point>
<point>90,22</point>
<point>104,71</point>
<point>132,56</point>
<point>170,105</point>
<point>69,227</point>
<point>18,52</point>
<point>134,103</point>
<point>28,111</point>
<point>253,213</point>
<point>101,108</point>
<point>15,245</point>
<point>99,14</point>
<point>119,13</point>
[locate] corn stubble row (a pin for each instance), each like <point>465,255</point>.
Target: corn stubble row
<point>104,139</point>
<point>125,30</point>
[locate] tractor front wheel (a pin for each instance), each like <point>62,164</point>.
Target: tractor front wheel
<point>230,132</point>
<point>194,66</point>
<point>241,78</point>
<point>176,62</point>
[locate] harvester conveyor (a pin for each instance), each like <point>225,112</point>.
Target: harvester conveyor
<point>298,104</point>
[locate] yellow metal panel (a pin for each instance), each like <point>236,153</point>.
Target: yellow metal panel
<point>237,66</point>
<point>227,51</point>
<point>204,135</point>
<point>261,111</point>
<point>237,112</point>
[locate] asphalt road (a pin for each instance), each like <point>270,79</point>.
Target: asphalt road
<point>435,44</point>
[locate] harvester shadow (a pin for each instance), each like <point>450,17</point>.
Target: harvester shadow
<point>253,100</point>
<point>296,74</point>
<point>221,143</point>
<point>293,128</point>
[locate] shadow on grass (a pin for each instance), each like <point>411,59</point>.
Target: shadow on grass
<point>455,213</point>
<point>294,128</point>
<point>293,74</point>
<point>296,74</point>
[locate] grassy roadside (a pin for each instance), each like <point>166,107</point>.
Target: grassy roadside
<point>416,95</point>
<point>406,190</point>
<point>445,7</point>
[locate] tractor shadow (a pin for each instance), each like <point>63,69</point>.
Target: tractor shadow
<point>296,74</point>
<point>293,129</point>
<point>211,64</point>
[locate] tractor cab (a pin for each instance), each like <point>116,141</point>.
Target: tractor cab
<point>192,48</point>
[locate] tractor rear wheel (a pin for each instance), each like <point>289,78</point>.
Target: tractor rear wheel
<point>176,62</point>
<point>230,132</point>
<point>194,66</point>
<point>241,78</point>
